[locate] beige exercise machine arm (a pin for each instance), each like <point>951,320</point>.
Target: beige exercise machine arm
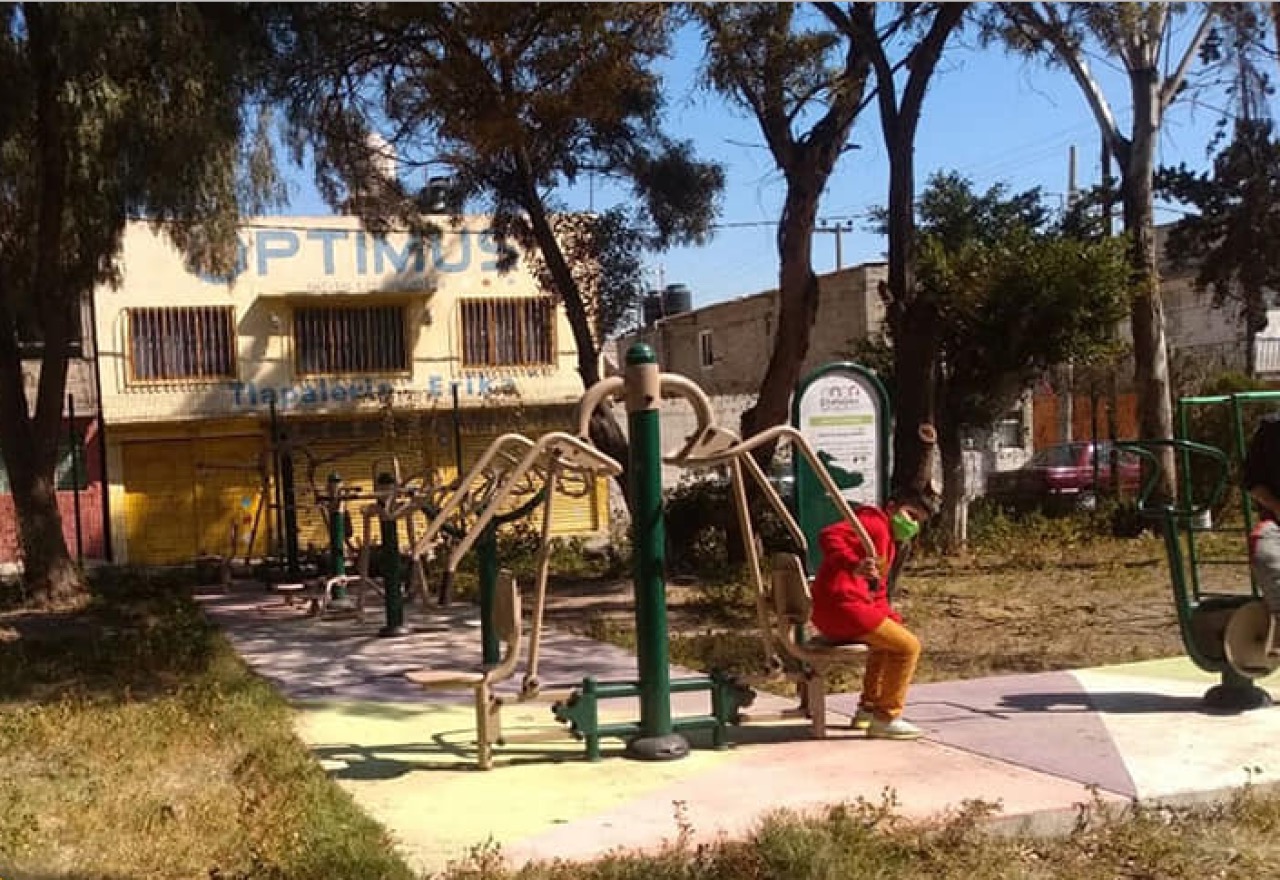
<point>570,451</point>
<point>499,449</point>
<point>670,385</point>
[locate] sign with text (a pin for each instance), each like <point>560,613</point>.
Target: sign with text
<point>340,255</point>
<point>842,410</point>
<point>331,392</point>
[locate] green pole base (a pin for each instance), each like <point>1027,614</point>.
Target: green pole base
<point>1232,698</point>
<point>391,632</point>
<point>669,747</point>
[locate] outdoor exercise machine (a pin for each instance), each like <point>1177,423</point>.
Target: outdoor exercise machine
<point>552,456</point>
<point>1224,630</point>
<point>657,735</point>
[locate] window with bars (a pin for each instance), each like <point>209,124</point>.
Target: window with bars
<point>196,343</point>
<point>509,332</point>
<point>333,340</point>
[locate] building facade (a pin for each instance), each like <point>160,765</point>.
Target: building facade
<point>364,353</point>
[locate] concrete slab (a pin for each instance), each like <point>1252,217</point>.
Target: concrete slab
<point>1041,722</point>
<point>1036,745</point>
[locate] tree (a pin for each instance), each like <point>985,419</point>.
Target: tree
<point>911,317</point>
<point>1232,240</point>
<point>512,102</point>
<point>1139,38</point>
<point>1014,294</point>
<point>109,111</point>
<point>761,57</point>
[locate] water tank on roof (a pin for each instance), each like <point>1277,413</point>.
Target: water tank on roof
<point>652,307</point>
<point>676,298</point>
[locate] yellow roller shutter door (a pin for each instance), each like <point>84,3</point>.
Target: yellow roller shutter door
<point>180,496</point>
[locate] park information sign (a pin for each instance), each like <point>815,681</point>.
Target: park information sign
<point>842,410</point>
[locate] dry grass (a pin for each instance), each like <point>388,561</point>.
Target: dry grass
<point>134,743</point>
<point>1232,841</point>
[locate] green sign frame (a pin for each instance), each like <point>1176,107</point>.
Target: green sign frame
<point>843,411</point>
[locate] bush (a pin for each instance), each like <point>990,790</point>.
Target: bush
<point>1214,425</point>
<point>700,517</point>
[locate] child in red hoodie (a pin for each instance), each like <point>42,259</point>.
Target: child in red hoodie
<point>851,604</point>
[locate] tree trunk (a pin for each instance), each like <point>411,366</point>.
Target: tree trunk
<point>1150,351</point>
<point>29,442</point>
<point>912,321</point>
<point>798,295</point>
<point>954,500</point>
<point>604,430</point>
<point>51,577</point>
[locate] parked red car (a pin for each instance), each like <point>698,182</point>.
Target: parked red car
<point>1063,475</point>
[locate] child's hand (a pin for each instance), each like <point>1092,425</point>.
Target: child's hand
<point>868,568</point>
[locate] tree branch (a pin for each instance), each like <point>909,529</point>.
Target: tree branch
<point>1073,57</point>
<point>1169,88</point>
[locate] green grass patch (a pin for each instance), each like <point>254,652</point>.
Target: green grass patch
<point>134,743</point>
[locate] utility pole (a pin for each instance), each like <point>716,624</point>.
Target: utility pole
<point>1113,387</point>
<point>1071,176</point>
<point>837,228</point>
<point>1067,400</point>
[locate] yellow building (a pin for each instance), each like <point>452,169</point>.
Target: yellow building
<point>364,348</point>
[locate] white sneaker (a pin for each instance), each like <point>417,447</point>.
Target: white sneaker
<point>898,728</point>
<point>862,720</point>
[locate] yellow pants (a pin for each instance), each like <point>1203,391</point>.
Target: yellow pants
<point>891,662</point>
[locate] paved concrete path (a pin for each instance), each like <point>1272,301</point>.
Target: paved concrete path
<point>1037,745</point>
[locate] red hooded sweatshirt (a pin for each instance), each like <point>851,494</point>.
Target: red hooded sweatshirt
<point>845,607</point>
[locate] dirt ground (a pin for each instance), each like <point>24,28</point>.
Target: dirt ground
<point>1035,607</point>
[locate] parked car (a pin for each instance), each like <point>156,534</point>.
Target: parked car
<point>1064,475</point>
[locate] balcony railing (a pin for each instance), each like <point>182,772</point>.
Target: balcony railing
<point>1268,355</point>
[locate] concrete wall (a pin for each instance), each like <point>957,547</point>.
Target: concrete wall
<point>741,331</point>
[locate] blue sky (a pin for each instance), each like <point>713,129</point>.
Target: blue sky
<point>994,118</point>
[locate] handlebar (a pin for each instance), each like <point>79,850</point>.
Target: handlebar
<point>1146,449</point>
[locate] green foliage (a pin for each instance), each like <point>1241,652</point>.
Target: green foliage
<point>1014,294</point>
<point>698,514</point>
<point>511,101</point>
<point>1231,237</point>
<point>1214,425</point>
<point>1020,535</point>
<point>111,111</point>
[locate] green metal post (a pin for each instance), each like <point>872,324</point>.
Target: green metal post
<point>390,565</point>
<point>657,741</point>
<point>487,552</point>
<point>1237,425</point>
<point>337,536</point>
<point>1187,526</point>
<point>290,503</point>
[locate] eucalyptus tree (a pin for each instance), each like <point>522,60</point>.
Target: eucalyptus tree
<point>512,104</point>
<point>1138,38</point>
<point>804,84</point>
<point>108,111</point>
<point>904,43</point>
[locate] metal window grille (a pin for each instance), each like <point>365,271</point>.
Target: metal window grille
<point>509,332</point>
<point>334,340</point>
<point>182,344</point>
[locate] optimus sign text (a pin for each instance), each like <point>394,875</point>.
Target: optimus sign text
<point>262,251</point>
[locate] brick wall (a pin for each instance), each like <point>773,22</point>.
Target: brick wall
<point>92,536</point>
